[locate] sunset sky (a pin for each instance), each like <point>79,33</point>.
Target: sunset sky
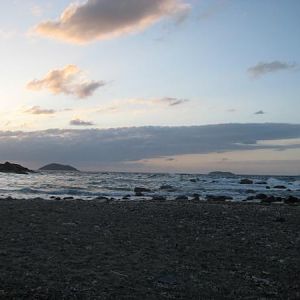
<point>102,64</point>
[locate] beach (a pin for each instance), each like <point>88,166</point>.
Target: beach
<point>148,249</point>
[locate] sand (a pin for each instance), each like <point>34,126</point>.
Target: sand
<point>148,250</point>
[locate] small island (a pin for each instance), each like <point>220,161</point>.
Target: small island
<point>58,167</point>
<point>14,168</point>
<point>220,173</point>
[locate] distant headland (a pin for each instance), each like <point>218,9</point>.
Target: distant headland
<point>14,168</point>
<point>58,167</point>
<point>220,173</point>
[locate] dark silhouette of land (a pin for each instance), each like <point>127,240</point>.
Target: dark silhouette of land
<point>14,168</point>
<point>58,167</point>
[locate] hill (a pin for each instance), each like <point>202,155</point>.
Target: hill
<point>58,167</point>
<point>14,168</point>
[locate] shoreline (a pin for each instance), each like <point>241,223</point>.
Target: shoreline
<point>72,249</point>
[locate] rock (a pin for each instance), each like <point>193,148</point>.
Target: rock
<point>168,188</point>
<point>246,181</point>
<point>159,198</point>
<point>196,197</point>
<point>193,180</point>
<point>292,200</point>
<point>280,187</point>
<point>268,188</point>
<point>250,198</point>
<point>102,198</point>
<point>127,197</point>
<point>182,197</point>
<point>68,198</point>
<point>218,198</point>
<point>139,194</point>
<point>261,182</point>
<point>270,199</point>
<point>261,196</point>
<point>57,198</point>
<point>58,167</point>
<point>14,168</point>
<point>141,190</point>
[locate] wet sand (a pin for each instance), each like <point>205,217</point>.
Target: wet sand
<point>148,250</point>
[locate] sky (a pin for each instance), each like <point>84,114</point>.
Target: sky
<point>76,70</point>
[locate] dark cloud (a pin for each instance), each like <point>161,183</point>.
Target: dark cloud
<point>172,101</point>
<point>264,68</point>
<point>260,112</point>
<point>103,19</point>
<point>68,80</point>
<point>130,144</point>
<point>37,110</point>
<point>78,122</point>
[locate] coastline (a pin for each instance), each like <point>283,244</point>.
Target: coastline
<point>156,250</point>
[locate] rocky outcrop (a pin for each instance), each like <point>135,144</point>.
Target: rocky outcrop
<point>14,168</point>
<point>246,181</point>
<point>58,167</point>
<point>220,173</point>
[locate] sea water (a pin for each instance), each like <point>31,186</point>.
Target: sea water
<point>90,185</point>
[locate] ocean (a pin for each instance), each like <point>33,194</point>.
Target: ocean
<point>90,185</point>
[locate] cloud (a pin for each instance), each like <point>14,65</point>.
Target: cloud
<point>68,80</point>
<point>78,122</point>
<point>170,101</point>
<point>120,145</point>
<point>37,110</point>
<point>260,112</point>
<point>105,19</point>
<point>264,68</point>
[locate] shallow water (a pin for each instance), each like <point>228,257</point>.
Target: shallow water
<point>87,185</point>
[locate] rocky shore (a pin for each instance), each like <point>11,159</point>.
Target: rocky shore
<point>152,249</point>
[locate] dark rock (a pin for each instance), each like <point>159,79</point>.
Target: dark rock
<point>268,188</point>
<point>280,187</point>
<point>102,198</point>
<point>261,182</point>
<point>261,196</point>
<point>269,200</point>
<point>193,180</point>
<point>246,181</point>
<point>196,197</point>
<point>168,188</point>
<point>14,168</point>
<point>127,197</point>
<point>68,198</point>
<point>218,198</point>
<point>57,198</point>
<point>141,190</point>
<point>139,194</point>
<point>182,197</point>
<point>250,198</point>
<point>292,200</point>
<point>159,198</point>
